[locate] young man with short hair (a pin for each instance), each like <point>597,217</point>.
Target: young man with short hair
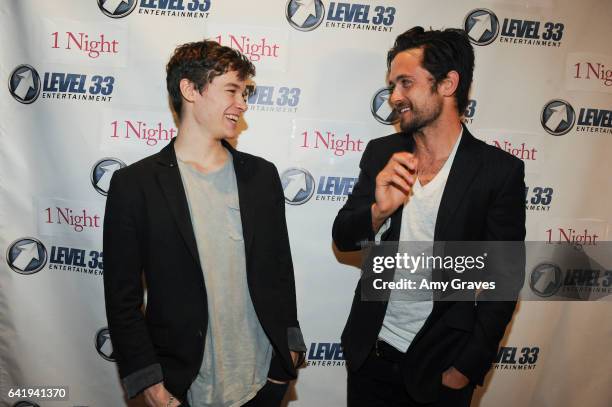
<point>205,225</point>
<point>433,181</point>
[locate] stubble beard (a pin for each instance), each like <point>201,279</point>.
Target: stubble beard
<point>420,120</point>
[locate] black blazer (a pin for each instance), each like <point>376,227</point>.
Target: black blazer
<point>147,229</point>
<point>483,200</point>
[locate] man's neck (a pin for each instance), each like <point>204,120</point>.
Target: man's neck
<point>199,149</point>
<point>436,141</point>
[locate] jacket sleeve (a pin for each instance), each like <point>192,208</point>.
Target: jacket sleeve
<point>505,222</point>
<point>294,333</point>
<point>353,224</point>
<point>123,287</point>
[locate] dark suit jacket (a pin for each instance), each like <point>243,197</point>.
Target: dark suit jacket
<point>147,229</point>
<point>484,199</point>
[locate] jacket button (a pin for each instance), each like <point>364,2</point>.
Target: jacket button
<point>200,333</point>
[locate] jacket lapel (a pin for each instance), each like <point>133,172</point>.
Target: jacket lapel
<point>246,195</point>
<point>170,181</point>
<point>465,167</point>
<point>172,186</point>
<point>405,142</point>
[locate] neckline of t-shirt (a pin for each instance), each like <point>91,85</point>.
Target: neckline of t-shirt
<point>207,175</point>
<point>442,175</point>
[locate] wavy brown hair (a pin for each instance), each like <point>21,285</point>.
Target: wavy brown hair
<point>200,62</point>
<point>443,51</point>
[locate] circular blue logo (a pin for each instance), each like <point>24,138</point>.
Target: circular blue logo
<point>545,279</point>
<point>305,15</point>
<point>25,403</point>
<point>381,109</point>
<point>558,117</point>
<point>26,255</point>
<point>24,84</point>
<point>481,26</point>
<point>102,172</point>
<point>104,346</point>
<point>298,185</point>
<point>117,8</point>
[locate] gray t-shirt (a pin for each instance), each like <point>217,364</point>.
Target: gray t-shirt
<point>237,352</point>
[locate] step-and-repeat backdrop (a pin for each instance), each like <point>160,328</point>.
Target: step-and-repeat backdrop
<point>84,94</point>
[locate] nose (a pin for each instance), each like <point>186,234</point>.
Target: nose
<point>241,102</point>
<point>395,97</point>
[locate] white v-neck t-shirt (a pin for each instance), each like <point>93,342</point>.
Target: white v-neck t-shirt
<point>403,318</point>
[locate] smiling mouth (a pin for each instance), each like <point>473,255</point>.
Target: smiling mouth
<point>403,109</point>
<point>232,117</point>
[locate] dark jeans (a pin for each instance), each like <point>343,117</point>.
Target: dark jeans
<point>271,395</point>
<point>378,383</point>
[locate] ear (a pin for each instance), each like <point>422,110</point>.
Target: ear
<point>448,86</point>
<point>188,90</point>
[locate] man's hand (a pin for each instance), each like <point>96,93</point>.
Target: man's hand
<point>158,396</point>
<point>295,357</point>
<point>393,186</point>
<point>454,379</point>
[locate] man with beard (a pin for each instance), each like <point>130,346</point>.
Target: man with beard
<point>433,181</point>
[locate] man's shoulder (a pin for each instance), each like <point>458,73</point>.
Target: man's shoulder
<point>251,158</point>
<point>390,142</point>
<point>254,162</point>
<point>496,156</point>
<point>379,150</point>
<point>149,165</point>
<point>140,169</point>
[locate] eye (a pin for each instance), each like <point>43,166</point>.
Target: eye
<point>406,83</point>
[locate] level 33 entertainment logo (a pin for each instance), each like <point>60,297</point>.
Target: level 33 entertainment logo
<point>483,27</point>
<point>558,118</point>
<point>25,85</point>
<point>307,15</point>
<point>160,8</point>
<point>26,255</point>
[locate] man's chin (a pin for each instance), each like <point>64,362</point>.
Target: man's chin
<point>414,126</point>
<point>409,127</point>
<point>230,136</point>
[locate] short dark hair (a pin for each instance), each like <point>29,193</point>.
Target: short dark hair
<point>443,51</point>
<point>201,62</point>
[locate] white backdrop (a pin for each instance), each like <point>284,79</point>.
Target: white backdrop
<point>85,94</point>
